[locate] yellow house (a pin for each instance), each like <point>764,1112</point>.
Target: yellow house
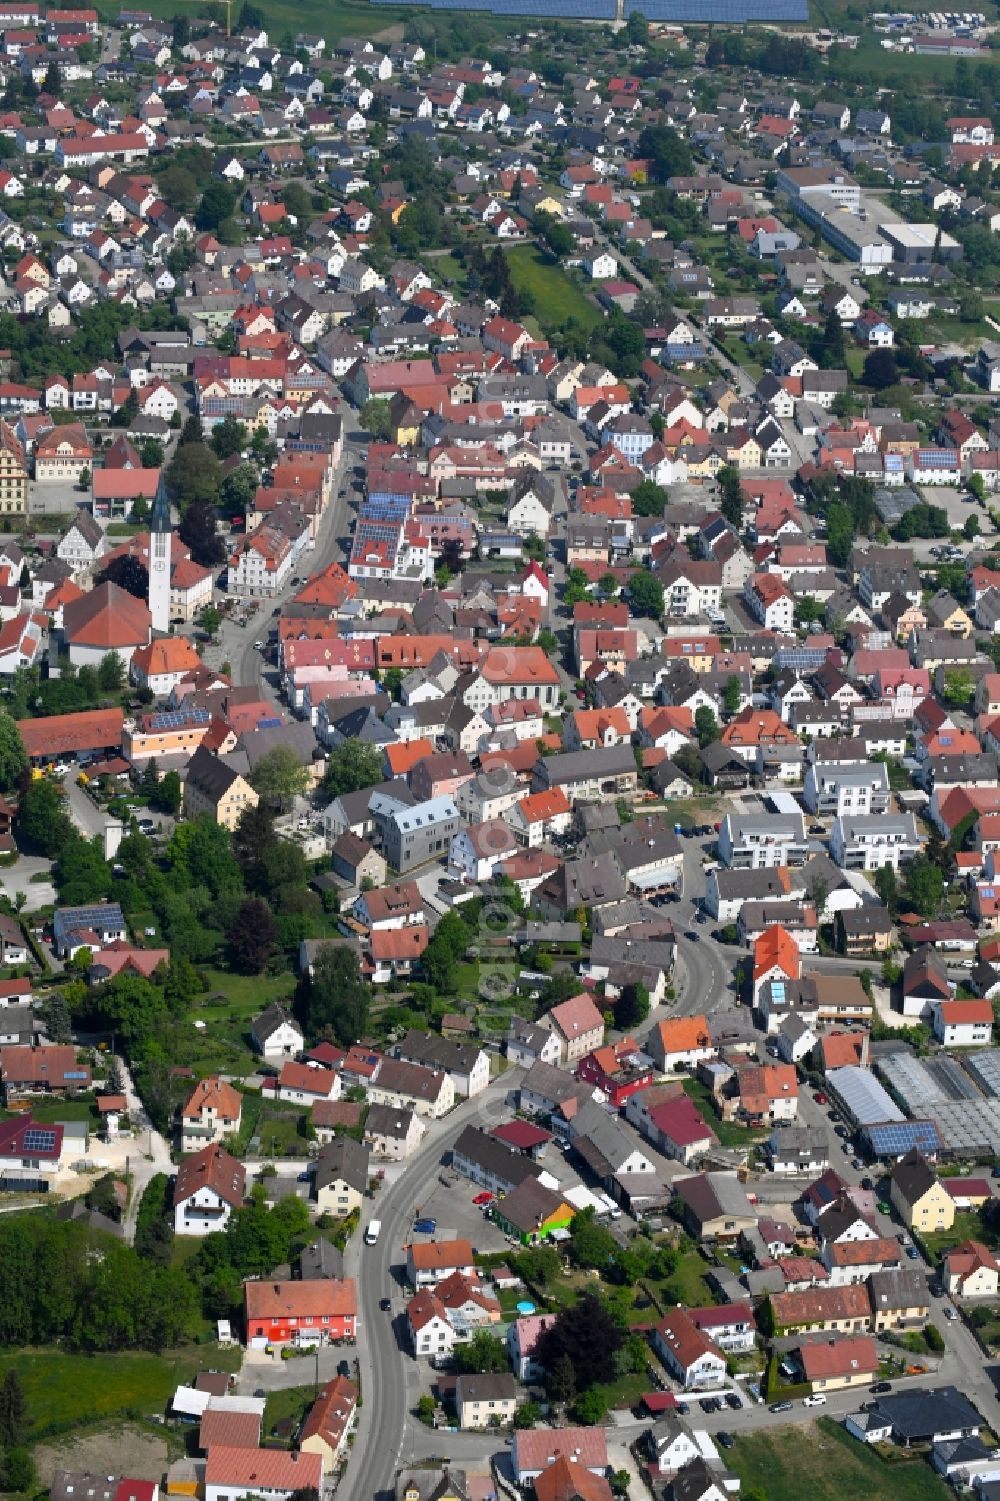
<point>405,421</point>
<point>549,205</point>
<point>919,1196</point>
<point>329,1421</point>
<point>947,614</point>
<point>214,789</point>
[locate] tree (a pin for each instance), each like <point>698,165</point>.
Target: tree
<point>55,1014</point>
<point>560,1379</point>
<point>884,881</point>
<point>13,756</point>
<point>280,776</point>
<point>447,946</point>
<point>229,437</point>
<point>375,418</point>
<point>730,495</point>
<point>351,767</point>
<point>194,474</point>
<point>667,153</point>
<point>209,619</point>
<point>168,795</point>
<point>178,187</point>
<point>111,672</point>
<point>198,532</point>
<point>252,936</point>
<point>649,499</point>
<point>526,1415</point>
<point>254,840</point>
<point>586,1335</point>
<point>590,1408</point>
<point>971,527</point>
<point>217,204</point>
<point>732,693</point>
<point>333,1001</point>
<point>192,431</point>
<point>833,341</point>
<point>633,1007</point>
<point>646,594</point>
<point>129,573</point>
<point>924,885</point>
<point>43,819</point>
<point>591,1245</point>
<point>880,369</point>
<point>238,489</point>
<point>13,1411</point>
<point>19,1473</point>
<point>706,726</point>
<point>484,1352</point>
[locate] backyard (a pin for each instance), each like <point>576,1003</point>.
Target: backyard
<point>824,1462</point>
<point>64,1391</point>
<point>969,1225</point>
<point>729,1133</point>
<point>557,298</point>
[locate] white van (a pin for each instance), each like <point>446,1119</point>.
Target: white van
<point>373,1232</point>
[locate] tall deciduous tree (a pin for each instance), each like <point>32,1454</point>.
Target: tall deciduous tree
<point>13,756</point>
<point>333,1001</point>
<point>252,936</point>
<point>280,776</point>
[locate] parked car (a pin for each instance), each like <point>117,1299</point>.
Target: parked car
<point>484,1198</point>
<point>819,1097</point>
<point>881,1386</point>
<point>424,1227</point>
<point>725,1439</point>
<point>385,1304</point>
<point>733,1401</point>
<point>951,1315</point>
<point>817,1399</point>
<point>706,1404</point>
<point>780,1407</point>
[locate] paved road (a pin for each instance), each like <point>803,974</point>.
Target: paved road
<point>386,1369</point>
<point>152,1154</point>
<point>236,643</point>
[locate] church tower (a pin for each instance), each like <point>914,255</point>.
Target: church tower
<point>159,562</point>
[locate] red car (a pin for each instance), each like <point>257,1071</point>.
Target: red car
<point>484,1198</point>
<point>819,1097</point>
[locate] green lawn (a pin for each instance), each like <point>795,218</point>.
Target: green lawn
<point>969,1225</point>
<point>827,1465</point>
<point>290,1404</point>
<point>556,295</point>
<point>246,995</point>
<point>66,1391</point>
<point>728,1132</point>
<point>346,18</point>
<point>688,1283</point>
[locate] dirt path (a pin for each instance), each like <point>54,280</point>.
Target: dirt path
<point>119,1450</point>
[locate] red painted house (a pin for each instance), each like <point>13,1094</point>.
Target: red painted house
<point>616,1069</point>
<point>320,1312</point>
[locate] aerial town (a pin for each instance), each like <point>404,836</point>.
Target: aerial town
<point>499,745</point>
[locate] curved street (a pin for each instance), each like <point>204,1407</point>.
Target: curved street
<point>384,1362</point>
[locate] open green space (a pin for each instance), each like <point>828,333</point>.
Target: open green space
<point>346,18</point>
<point>969,1225</point>
<point>556,295</point>
<point>66,1391</point>
<point>289,1406</point>
<point>826,1464</point>
<point>688,1282</point>
<point>729,1133</point>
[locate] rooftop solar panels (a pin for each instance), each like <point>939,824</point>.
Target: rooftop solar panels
<point>703,12</point>
<point>178,719</point>
<point>896,1138</point>
<point>38,1139</point>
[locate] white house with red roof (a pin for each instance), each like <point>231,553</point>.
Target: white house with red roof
<point>108,619</point>
<point>688,1354</point>
<point>971,1271</point>
<point>535,583</point>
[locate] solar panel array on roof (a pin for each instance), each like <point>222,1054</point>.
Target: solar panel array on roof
<point>896,1138</point>
<point>178,719</point>
<point>36,1139</point>
<point>733,11</point>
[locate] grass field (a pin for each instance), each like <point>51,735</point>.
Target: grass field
<point>66,1391</point>
<point>289,1405</point>
<point>728,1132</point>
<point>557,297</point>
<point>827,1464</point>
<point>969,1225</point>
<point>345,18</point>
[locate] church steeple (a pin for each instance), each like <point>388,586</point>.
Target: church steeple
<point>159,561</point>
